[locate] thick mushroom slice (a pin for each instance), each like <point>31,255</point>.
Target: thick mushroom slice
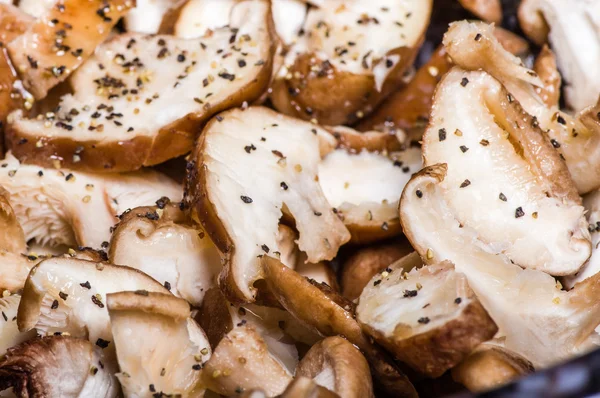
<point>429,317</point>
<point>365,189</point>
<point>337,365</point>
<point>500,160</point>
<point>61,39</point>
<point>57,366</point>
<point>10,335</point>
<point>54,205</point>
<point>488,10</point>
<point>169,357</point>
<point>249,166</point>
<point>169,248</point>
<point>490,366</point>
<point>140,100</point>
<point>536,318</point>
<point>344,63</point>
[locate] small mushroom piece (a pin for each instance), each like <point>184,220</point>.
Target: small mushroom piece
<point>148,15</point>
<point>54,205</point>
<point>142,99</point>
<point>56,366</point>
<point>490,366</point>
<point>344,65</point>
<point>249,166</point>
<point>15,269</point>
<point>487,10</point>
<point>12,237</point>
<point>428,318</point>
<point>169,357</point>
<point>61,39</point>
<point>532,21</point>
<point>546,69</point>
<point>365,188</point>
<point>392,140</point>
<point>197,17</point>
<point>337,365</point>
<point>169,248</point>
<point>10,335</point>
<point>303,387</point>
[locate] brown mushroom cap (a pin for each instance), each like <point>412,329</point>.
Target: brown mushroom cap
<point>488,10</point>
<point>10,335</point>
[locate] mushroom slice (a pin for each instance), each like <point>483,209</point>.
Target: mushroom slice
<point>490,366</point>
<point>14,270</point>
<point>303,387</point>
<point>372,141</point>
<point>337,365</point>
<point>61,39</point>
<point>546,69</point>
<point>337,73</point>
<point>488,10</point>
<point>536,318</point>
<point>429,317</point>
<point>246,168</point>
<point>532,22</point>
<point>169,357</point>
<point>198,17</point>
<point>12,237</point>
<point>526,204</point>
<point>324,314</point>
<point>242,361</point>
<point>10,335</point>
<point>140,100</point>
<point>365,189</point>
<point>169,248</point>
<point>56,366</point>
<point>148,15</point>
<point>54,205</point>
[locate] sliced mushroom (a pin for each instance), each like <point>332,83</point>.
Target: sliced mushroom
<point>372,141</point>
<point>56,366</point>
<point>61,39</point>
<point>303,387</point>
<point>169,248</point>
<point>14,270</point>
<point>247,168</point>
<point>344,64</point>
<point>148,15</point>
<point>546,69</point>
<point>532,21</point>
<point>135,104</point>
<point>12,238</point>
<point>488,10</point>
<point>197,17</point>
<point>490,366</point>
<point>428,318</point>
<point>10,335</point>
<point>169,357</point>
<point>54,205</point>
<point>365,188</point>
<point>337,365</point>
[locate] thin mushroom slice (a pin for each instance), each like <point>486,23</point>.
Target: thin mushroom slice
<point>61,39</point>
<point>56,366</point>
<point>141,99</point>
<point>249,166</point>
<point>169,357</point>
<point>337,365</point>
<point>428,318</point>
<point>10,335</point>
<point>54,205</point>
<point>536,319</point>
<point>524,200</point>
<point>488,10</point>
<point>546,69</point>
<point>12,237</point>
<point>168,247</point>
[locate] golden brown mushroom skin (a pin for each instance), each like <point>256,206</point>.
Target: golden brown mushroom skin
<point>532,22</point>
<point>487,10</point>
<point>303,387</point>
<point>213,316</point>
<point>12,237</point>
<point>545,67</point>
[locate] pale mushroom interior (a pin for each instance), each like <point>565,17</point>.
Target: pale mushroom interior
<point>10,335</point>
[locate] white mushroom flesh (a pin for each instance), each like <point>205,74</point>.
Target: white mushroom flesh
<point>147,15</point>
<point>10,335</point>
<point>199,16</point>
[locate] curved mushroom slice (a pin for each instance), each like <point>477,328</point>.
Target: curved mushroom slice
<point>490,366</point>
<point>344,64</point>
<point>14,270</point>
<point>242,361</point>
<point>10,335</point>
<point>303,387</point>
<point>337,365</point>
<point>12,237</point>
<point>54,205</point>
<point>133,105</point>
<point>169,357</point>
<point>536,318</point>
<point>169,248</point>
<point>329,316</point>
<point>365,189</point>
<point>56,366</point>
<point>546,69</point>
<point>148,15</point>
<point>198,17</point>
<point>391,140</point>
<point>512,172</point>
<point>532,21</point>
<point>429,317</point>
<point>61,39</point>
<point>488,10</point>
<point>246,168</point>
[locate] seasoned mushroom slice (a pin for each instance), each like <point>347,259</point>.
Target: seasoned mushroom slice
<point>536,318</point>
<point>12,237</point>
<point>365,189</point>
<point>488,10</point>
<point>169,248</point>
<point>54,205</point>
<point>61,39</point>
<point>10,335</point>
<point>337,365</point>
<point>429,317</point>
<point>344,64</point>
<point>169,357</point>
<point>249,166</point>
<point>56,366</point>
<point>14,270</point>
<point>140,100</point>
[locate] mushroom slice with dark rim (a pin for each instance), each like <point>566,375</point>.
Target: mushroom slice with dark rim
<point>249,166</point>
<point>169,248</point>
<point>57,366</point>
<point>61,40</point>
<point>428,318</point>
<point>10,335</point>
<point>372,140</point>
<point>169,357</point>
<point>488,10</point>
<point>141,99</point>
